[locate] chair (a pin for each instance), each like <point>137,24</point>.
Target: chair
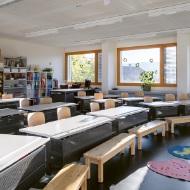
<point>81,93</point>
<point>183,96</point>
<point>98,96</point>
<point>103,92</point>
<point>36,118</point>
<point>94,106</point>
<point>170,97</point>
<point>63,113</point>
<point>7,96</point>
<point>124,95</point>
<point>109,103</point>
<point>24,102</point>
<point>139,94</point>
<point>148,99</point>
<point>46,100</point>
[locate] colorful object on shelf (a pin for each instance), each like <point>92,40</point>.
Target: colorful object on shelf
<point>180,151</point>
<point>179,169</point>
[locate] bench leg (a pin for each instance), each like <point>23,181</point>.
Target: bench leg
<point>167,125</point>
<point>100,171</point>
<point>84,184</point>
<point>87,162</point>
<point>139,142</point>
<point>132,148</point>
<point>172,127</point>
<point>155,132</point>
<point>163,130</point>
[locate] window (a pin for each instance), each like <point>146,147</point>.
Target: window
<point>84,65</point>
<point>159,58</point>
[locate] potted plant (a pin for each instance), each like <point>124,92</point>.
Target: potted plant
<point>147,80</point>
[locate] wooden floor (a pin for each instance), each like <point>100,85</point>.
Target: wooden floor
<point>126,172</point>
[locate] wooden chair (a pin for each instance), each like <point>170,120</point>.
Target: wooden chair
<point>170,97</point>
<point>148,99</point>
<point>98,96</point>
<point>109,103</point>
<point>35,118</point>
<point>94,106</point>
<point>46,100</point>
<point>183,96</point>
<point>103,92</point>
<point>63,113</point>
<point>24,102</point>
<point>139,94</point>
<point>124,95</point>
<point>7,96</point>
<point>81,93</point>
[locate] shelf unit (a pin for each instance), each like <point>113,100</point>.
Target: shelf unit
<point>15,76</point>
<point>39,85</point>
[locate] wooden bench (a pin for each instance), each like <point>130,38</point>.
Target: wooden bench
<point>102,153</point>
<point>146,129</point>
<point>176,120</point>
<point>71,177</point>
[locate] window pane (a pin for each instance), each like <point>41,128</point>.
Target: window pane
<point>81,67</point>
<point>170,65</point>
<point>99,67</point>
<point>133,62</point>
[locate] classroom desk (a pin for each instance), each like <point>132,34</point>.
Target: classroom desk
<point>50,110</point>
<point>9,103</point>
<point>11,120</point>
<point>71,137</point>
<point>161,109</point>
<point>67,95</point>
<point>125,117</point>
<point>134,101</point>
<point>22,161</point>
<point>102,102</point>
<point>85,100</point>
<point>184,107</point>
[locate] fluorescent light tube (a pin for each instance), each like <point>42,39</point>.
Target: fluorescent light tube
<point>169,10</point>
<point>98,23</point>
<point>42,33</point>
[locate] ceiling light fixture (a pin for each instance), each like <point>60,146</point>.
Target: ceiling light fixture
<point>42,33</point>
<point>5,2</point>
<point>169,10</point>
<point>101,22</point>
<point>106,2</point>
<point>137,36</point>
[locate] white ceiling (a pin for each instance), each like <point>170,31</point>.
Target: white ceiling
<point>28,16</point>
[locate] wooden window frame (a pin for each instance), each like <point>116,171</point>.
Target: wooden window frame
<point>83,52</point>
<point>161,46</point>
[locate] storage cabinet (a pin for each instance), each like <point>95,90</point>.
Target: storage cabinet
<point>39,85</point>
<point>15,76</point>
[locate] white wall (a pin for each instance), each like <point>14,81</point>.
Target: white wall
<point>36,55</point>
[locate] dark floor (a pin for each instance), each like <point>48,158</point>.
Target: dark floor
<point>126,172</point>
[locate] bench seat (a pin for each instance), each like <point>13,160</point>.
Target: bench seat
<point>70,177</point>
<point>102,153</point>
<point>176,120</point>
<point>146,129</point>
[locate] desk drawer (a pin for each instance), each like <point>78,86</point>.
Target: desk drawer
<point>161,112</point>
<point>11,124</point>
<point>25,172</point>
<point>73,147</point>
<point>127,122</point>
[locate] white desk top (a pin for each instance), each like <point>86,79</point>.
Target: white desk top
<point>182,102</point>
<point>160,104</point>
<point>42,107</point>
<point>70,90</point>
<point>66,127</point>
<point>14,147</point>
<point>130,99</point>
<point>103,100</point>
<point>9,100</point>
<point>118,111</point>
